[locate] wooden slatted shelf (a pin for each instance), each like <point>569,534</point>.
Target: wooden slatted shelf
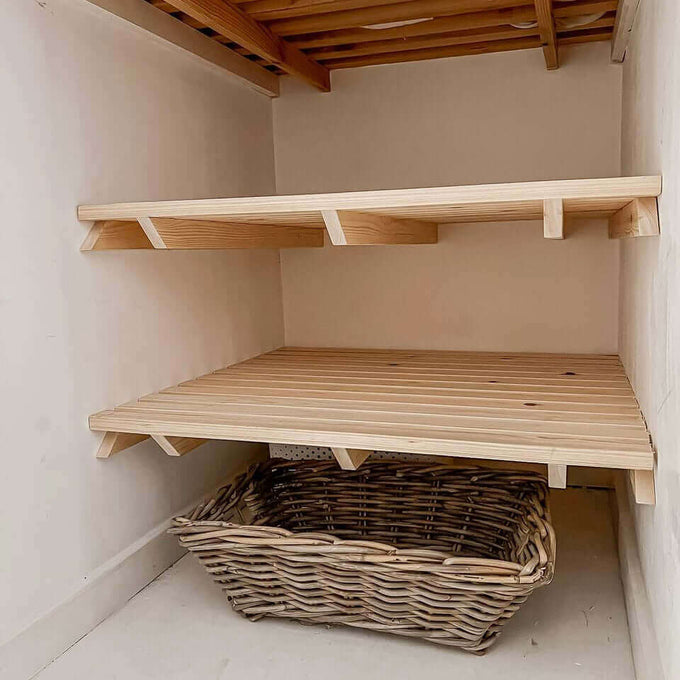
<point>402,216</point>
<point>554,409</point>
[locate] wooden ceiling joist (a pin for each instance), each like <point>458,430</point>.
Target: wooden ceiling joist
<point>308,38</point>
<point>546,27</point>
<point>230,21</point>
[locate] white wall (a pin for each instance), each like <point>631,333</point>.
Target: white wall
<point>491,118</point>
<point>95,111</point>
<point>650,301</point>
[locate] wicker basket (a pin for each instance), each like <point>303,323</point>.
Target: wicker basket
<point>429,551</point>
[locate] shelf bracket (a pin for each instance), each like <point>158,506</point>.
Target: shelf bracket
<point>557,476</point>
<point>163,233</point>
<point>350,228</point>
<point>640,217</point>
<point>642,482</point>
<point>553,218</point>
<point>349,459</point>
<point>114,442</point>
<point>177,446</point>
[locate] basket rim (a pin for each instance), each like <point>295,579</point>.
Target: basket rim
<point>295,544</point>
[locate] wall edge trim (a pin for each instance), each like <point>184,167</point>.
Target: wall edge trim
<point>643,640</point>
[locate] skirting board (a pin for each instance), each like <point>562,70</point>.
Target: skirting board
<point>643,639</point>
<point>108,588</point>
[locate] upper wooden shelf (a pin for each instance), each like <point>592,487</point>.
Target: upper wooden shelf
<point>401,216</point>
<point>540,408</point>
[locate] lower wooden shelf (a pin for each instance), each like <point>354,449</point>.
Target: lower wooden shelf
<point>555,409</point>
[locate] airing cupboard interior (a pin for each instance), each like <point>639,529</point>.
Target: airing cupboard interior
<point>369,306</point>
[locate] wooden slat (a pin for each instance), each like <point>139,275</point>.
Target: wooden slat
<point>397,11</point>
<point>546,27</point>
<point>639,218</point>
<point>269,10</point>
<point>166,27</point>
<point>430,41</point>
<point>446,24</point>
<point>467,37</point>
<point>346,227</point>
<point>227,19</point>
<point>180,234</point>
<point>625,19</point>
<point>341,398</point>
<point>435,53</point>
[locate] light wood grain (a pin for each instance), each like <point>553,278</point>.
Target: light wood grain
<point>553,218</point>
<point>114,442</point>
<point>640,217</point>
<point>227,19</point>
<point>115,235</point>
<point>643,485</point>
<point>491,202</point>
<point>625,19</point>
<point>177,446</point>
<point>346,227</point>
<point>349,459</point>
<point>157,22</point>
<point>557,476</point>
<point>540,408</point>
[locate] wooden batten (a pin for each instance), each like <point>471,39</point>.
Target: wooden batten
<point>553,218</point>
<point>349,228</point>
<point>177,446</point>
<point>349,459</point>
<point>557,476</point>
<point>644,490</point>
<point>193,234</point>
<point>114,442</point>
<point>640,217</point>
<point>115,235</point>
<point>546,27</point>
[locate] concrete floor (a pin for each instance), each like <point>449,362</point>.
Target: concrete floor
<point>179,628</point>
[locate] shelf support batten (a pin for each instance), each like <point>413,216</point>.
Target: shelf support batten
<point>557,476</point>
<point>553,218</point>
<point>349,459</point>
<point>353,228</point>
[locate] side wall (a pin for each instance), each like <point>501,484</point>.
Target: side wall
<point>490,118</point>
<point>95,111</point>
<point>650,301</point>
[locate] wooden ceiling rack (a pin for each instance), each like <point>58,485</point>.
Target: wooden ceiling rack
<point>553,409</point>
<point>401,216</point>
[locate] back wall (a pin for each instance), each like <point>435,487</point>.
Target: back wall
<point>468,120</point>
